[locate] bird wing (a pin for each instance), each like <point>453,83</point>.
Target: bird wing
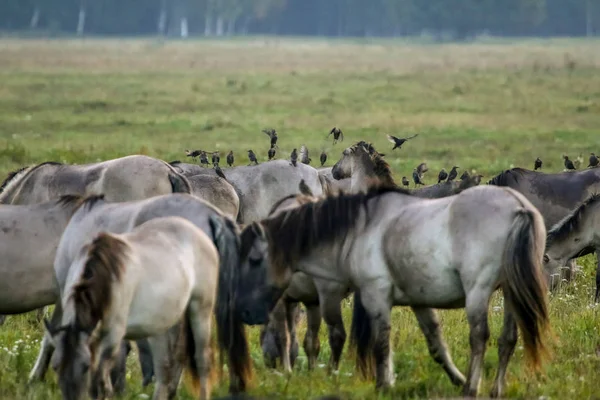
<point>413,136</point>
<point>391,138</point>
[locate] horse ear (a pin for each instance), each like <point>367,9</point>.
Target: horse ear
<point>258,230</point>
<point>381,155</point>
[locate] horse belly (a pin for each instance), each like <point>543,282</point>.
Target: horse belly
<point>25,286</point>
<point>154,311</point>
<point>438,289</point>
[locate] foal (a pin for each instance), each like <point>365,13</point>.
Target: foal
<point>136,285</point>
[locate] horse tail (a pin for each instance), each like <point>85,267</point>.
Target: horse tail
<point>524,285</point>
<point>361,334</point>
<point>179,183</point>
<point>230,328</point>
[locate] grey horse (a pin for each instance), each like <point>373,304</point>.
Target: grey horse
<point>261,186</point>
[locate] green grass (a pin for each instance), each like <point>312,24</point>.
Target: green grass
<point>484,107</point>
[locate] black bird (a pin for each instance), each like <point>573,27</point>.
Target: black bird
<point>219,172</point>
<point>399,142</point>
<point>273,135</point>
<point>294,157</point>
<point>537,164</point>
<point>230,158</point>
<point>405,181</point>
<point>323,158</point>
<point>193,154</point>
<point>304,189</point>
<point>593,160</point>
<point>417,177</point>
<point>569,164</point>
<point>337,134</point>
<point>216,158</point>
<point>453,174</point>
<point>465,175</point>
<point>203,158</point>
<point>271,153</point>
<point>442,175</point>
<point>252,157</point>
<point>304,158</point>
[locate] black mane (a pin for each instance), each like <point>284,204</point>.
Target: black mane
<point>572,221</point>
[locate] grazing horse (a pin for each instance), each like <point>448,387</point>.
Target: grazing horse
<point>96,215</point>
<point>362,165</point>
<point>379,242</point>
<point>575,235</point>
<point>278,338</point>
<point>554,195</point>
<point>138,285</point>
<point>123,179</point>
<point>261,186</point>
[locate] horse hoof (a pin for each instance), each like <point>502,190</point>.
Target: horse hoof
<point>458,380</point>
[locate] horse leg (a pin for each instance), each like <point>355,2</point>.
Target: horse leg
<point>332,313</point>
<point>374,300</point>
<point>291,312</point>
<point>430,326</point>
<point>145,358</point>
<point>46,348</point>
<point>477,314</point>
<point>167,368</point>
<point>312,344</point>
<point>117,374</point>
<point>506,348</point>
<point>2,319</point>
<point>200,320</point>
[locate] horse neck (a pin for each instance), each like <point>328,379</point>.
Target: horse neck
<point>13,187</point>
<point>362,173</point>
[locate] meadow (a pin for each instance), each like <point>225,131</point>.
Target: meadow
<point>482,106</point>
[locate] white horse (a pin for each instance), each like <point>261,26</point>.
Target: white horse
<point>395,249</point>
<point>137,285</point>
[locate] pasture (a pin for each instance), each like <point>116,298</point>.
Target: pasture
<point>484,107</point>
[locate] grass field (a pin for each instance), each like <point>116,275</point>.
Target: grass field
<point>483,107</point>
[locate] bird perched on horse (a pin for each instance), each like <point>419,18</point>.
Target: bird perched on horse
<point>252,157</point>
<point>193,154</point>
<point>271,153</point>
<point>569,164</point>
<point>442,175</point>
<point>294,157</point>
<point>453,174</point>
<point>216,158</point>
<point>323,158</point>
<point>203,158</point>
<point>230,158</point>
<point>304,158</point>
<point>593,161</point>
<point>398,142</point>
<point>537,164</point>
<point>417,178</point>
<point>405,181</point>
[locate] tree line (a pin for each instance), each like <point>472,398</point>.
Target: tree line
<point>443,19</point>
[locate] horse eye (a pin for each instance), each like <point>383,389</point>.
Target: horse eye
<point>546,259</point>
<point>576,239</point>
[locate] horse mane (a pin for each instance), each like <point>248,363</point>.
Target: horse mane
<point>90,201</point>
<point>572,221</point>
<point>68,200</point>
<point>382,169</point>
<point>17,176</point>
<point>300,198</point>
<point>293,233</point>
<point>174,162</point>
<point>104,265</point>
<point>502,178</point>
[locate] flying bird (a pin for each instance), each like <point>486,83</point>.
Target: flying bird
<point>323,158</point>
<point>537,164</point>
<point>304,158</point>
<point>294,157</point>
<point>442,175</point>
<point>399,142</point>
<point>465,175</point>
<point>252,157</point>
<point>405,181</point>
<point>272,133</point>
<point>417,177</point>
<point>569,164</point>
<point>230,158</point>
<point>216,158</point>
<point>593,161</point>
<point>453,174</point>
<point>422,168</point>
<point>203,158</point>
<point>271,153</point>
<point>337,134</point>
<point>193,154</point>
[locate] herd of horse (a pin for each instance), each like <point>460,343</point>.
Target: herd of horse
<point>136,249</point>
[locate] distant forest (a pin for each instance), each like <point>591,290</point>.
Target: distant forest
<point>442,19</point>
